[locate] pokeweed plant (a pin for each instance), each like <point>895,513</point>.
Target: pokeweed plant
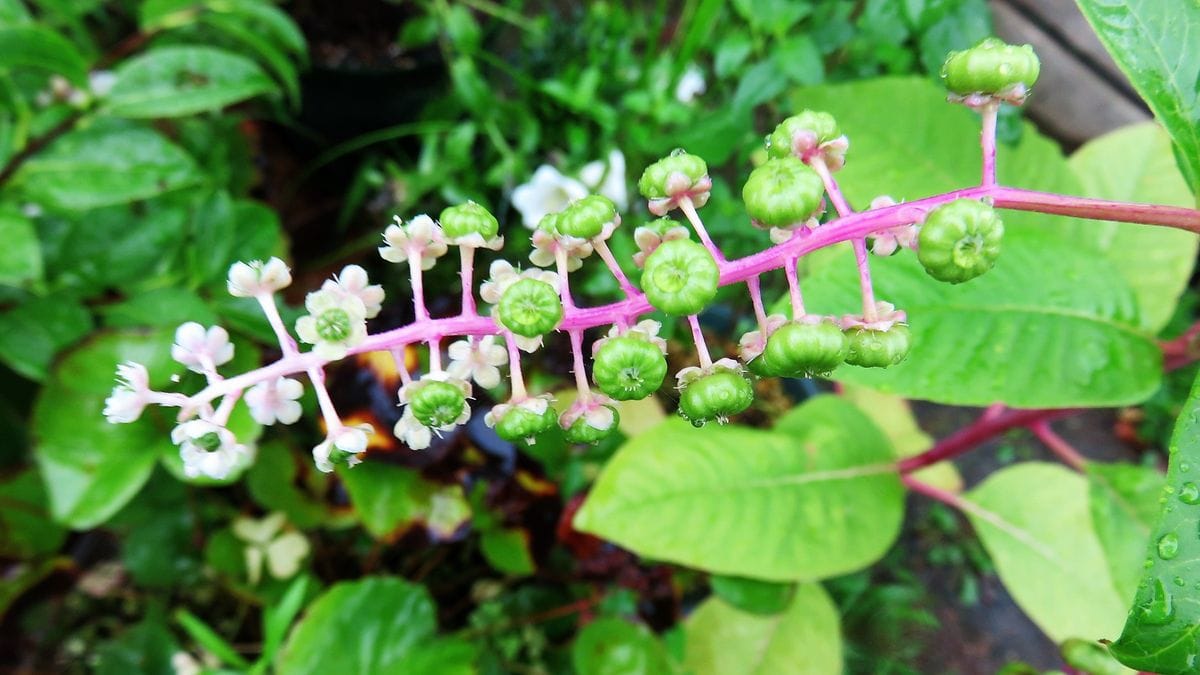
<point>793,194</point>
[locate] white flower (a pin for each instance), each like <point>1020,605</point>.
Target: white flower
<point>607,177</point>
<point>753,343</point>
<point>130,396</point>
<point>691,84</point>
<point>335,323</point>
<point>201,350</point>
<point>534,404</point>
<point>101,82</point>
<point>421,236</point>
<point>208,449</point>
<point>478,360</point>
<point>282,552</point>
<point>353,282</point>
<point>410,430</point>
<point>546,244</point>
<point>182,663</point>
<point>342,446</point>
<point>547,192</point>
<point>596,410</point>
<point>275,400</point>
<point>648,239</point>
<point>247,280</point>
<point>502,275</point>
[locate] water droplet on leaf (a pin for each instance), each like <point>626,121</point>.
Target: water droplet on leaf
<point>1168,546</point>
<point>1189,493</point>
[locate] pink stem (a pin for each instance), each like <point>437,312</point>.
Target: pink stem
<point>701,345</point>
<point>514,368</point>
<point>969,437</point>
<point>332,421</point>
<point>760,314</point>
<point>860,245</point>
<point>610,261</point>
<point>564,289</point>
<point>581,382</point>
<point>286,342</point>
<point>1058,445</point>
<point>987,141</point>
<point>689,210</point>
<point>467,258</point>
<point>789,270</point>
<point>435,355</point>
<point>418,290</point>
<point>401,359</point>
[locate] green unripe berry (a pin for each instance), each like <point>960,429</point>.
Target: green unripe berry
<point>587,217</point>
<point>530,308</point>
<point>877,348</point>
<point>782,192</point>
<point>466,219</point>
<point>656,182</point>
<point>715,396</point>
<point>759,366</point>
<point>549,223</point>
<point>818,127</point>
<point>960,240</point>
<point>805,349</point>
<point>582,432</point>
<point>990,67</point>
<point>520,423</point>
<point>628,368</point>
<point>333,324</point>
<point>680,277</point>
<point>437,404</point>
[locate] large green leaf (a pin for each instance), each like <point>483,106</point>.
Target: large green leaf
<point>820,490</point>
<point>1034,521</point>
<point>611,646</point>
<point>21,257</point>
<point>1134,164</point>
<point>1157,44</point>
<point>1162,630</point>
<point>803,640</point>
<point>377,626</point>
<point>109,162</point>
<point>1123,500</point>
<point>92,468</point>
<point>390,498</point>
<point>1049,326</point>
<point>184,80</point>
<point>32,333</point>
<point>26,530</point>
<point>39,47</point>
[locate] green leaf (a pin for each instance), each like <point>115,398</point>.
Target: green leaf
<point>507,550</point>
<point>183,80</point>
<point>1034,521</point>
<point>1161,631</point>
<point>894,416</point>
<point>612,646</point>
<point>1049,326</point>
<point>389,499</point>
<point>145,648</point>
<point>32,333</point>
<point>272,483</point>
<point>109,162</point>
<point>1156,45</point>
<point>371,627</point>
<point>752,595</point>
<point>1123,501</point>
<point>276,60</point>
<point>21,257</point>
<point>820,488</point>
<point>168,307</point>
<point>92,468</point>
<point>13,13</point>
<point>804,640</point>
<point>26,530</point>
<point>1134,164</point>
<point>40,47</point>
<point>209,639</point>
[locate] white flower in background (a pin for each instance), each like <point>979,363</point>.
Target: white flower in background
<point>342,446</point>
<point>208,449</point>
<point>691,84</point>
<point>353,282</point>
<point>281,551</point>
<point>101,82</point>
<point>199,349</point>
<point>247,280</point>
<point>335,323</point>
<point>183,663</point>
<point>275,400</point>
<point>420,234</point>
<point>547,192</point>
<point>478,360</point>
<point>607,177</point>
<point>131,394</point>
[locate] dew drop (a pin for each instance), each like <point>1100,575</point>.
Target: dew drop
<point>1149,563</point>
<point>1157,609</point>
<point>1168,546</point>
<point>1185,467</point>
<point>1189,493</point>
<point>1180,582</point>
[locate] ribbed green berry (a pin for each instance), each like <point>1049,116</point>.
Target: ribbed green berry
<point>820,125</point>
<point>587,217</point>
<point>759,366</point>
<point>877,348</point>
<point>530,308</point>
<point>715,396</point>
<point>960,240</point>
<point>990,67</point>
<point>805,349</point>
<point>629,368</point>
<point>549,223</point>
<point>661,226</point>
<point>653,183</point>
<point>782,192</point>
<point>437,404</point>
<point>467,219</point>
<point>680,277</point>
<point>582,432</point>
<point>522,424</point>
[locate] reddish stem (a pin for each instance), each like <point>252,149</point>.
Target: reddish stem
<point>987,141</point>
<point>978,432</point>
<point>1058,445</point>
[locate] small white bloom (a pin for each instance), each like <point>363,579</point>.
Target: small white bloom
<point>281,551</point>
<point>648,239</point>
<point>342,446</point>
<point>101,82</point>
<point>275,400</point>
<point>420,236</point>
<point>753,343</point>
<point>478,360</point>
<point>410,430</point>
<point>596,410</point>
<point>182,663</point>
<point>691,84</point>
<point>546,244</point>
<point>208,449</point>
<point>353,282</point>
<point>886,316</point>
<point>534,404</point>
<point>335,322</point>
<point>130,396</point>
<point>200,349</point>
<point>607,177</point>
<point>502,275</point>
<point>256,277</point>
<point>548,191</point>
